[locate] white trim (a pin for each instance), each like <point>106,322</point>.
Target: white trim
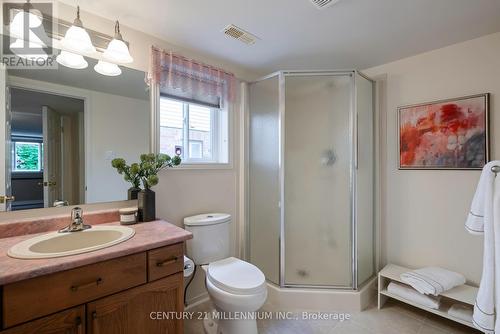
<point>203,164</point>
<point>67,91</point>
<point>244,232</point>
<point>154,136</point>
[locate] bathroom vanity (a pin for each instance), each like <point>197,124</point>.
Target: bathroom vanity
<point>118,289</point>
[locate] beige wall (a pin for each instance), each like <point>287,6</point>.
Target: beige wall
<point>423,212</point>
<point>119,125</point>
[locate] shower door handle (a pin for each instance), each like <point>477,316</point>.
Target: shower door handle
<point>356,138</point>
<point>328,158</point>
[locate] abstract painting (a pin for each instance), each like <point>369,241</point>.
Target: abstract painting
<point>447,134</point>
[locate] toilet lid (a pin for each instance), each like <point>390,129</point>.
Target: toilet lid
<point>236,276</point>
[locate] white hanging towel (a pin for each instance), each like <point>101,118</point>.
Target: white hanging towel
<point>432,280</point>
<point>484,218</point>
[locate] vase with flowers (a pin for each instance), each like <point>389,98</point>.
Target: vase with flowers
<point>130,174</point>
<point>149,167</point>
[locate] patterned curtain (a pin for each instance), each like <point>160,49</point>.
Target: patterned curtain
<point>189,79</point>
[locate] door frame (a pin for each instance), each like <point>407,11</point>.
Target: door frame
<point>6,148</point>
<point>66,91</point>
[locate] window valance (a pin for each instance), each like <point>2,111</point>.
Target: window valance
<point>189,79</point>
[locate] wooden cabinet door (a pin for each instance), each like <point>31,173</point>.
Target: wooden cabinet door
<point>71,321</point>
<point>131,311</point>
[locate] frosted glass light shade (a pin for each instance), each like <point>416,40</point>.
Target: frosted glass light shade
<point>105,68</point>
<point>117,52</point>
<point>16,27</point>
<point>77,40</point>
<point>18,45</point>
<point>71,60</point>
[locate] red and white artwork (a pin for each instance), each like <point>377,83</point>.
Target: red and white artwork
<point>449,134</point>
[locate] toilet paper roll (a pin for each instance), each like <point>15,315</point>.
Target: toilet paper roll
<point>188,266</point>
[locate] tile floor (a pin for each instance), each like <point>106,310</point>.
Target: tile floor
<point>394,318</point>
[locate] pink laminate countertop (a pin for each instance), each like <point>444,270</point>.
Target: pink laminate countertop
<point>147,236</point>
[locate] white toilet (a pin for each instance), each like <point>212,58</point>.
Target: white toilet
<point>237,288</point>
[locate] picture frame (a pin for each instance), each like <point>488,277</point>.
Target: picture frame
<point>449,134</point>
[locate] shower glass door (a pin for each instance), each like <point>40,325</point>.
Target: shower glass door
<point>317,175</point>
<point>263,176</point>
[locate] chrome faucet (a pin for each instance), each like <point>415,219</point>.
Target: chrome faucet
<point>77,223</point>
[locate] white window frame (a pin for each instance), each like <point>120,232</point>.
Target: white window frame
<point>216,122</point>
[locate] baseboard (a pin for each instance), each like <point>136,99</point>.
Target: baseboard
<point>200,299</point>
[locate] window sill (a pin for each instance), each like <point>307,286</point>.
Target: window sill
<point>203,166</point>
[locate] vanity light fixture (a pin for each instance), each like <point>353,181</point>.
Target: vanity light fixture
<point>109,69</point>
<point>34,18</point>
<point>77,39</point>
<point>72,60</point>
<point>117,51</point>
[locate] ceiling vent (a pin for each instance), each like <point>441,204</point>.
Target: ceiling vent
<point>321,4</point>
<point>240,34</point>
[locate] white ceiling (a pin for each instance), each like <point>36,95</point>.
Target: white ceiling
<point>296,35</point>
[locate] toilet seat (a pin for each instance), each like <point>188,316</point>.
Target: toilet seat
<point>236,276</point>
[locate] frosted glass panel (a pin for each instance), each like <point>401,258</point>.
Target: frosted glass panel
<point>317,199</point>
<point>365,179</point>
<point>264,212</point>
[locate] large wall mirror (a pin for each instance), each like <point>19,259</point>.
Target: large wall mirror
<point>63,128</point>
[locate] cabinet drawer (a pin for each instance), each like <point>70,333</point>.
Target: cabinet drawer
<point>36,297</point>
<point>71,321</point>
<point>165,261</point>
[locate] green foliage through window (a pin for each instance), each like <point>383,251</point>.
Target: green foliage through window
<point>27,157</point>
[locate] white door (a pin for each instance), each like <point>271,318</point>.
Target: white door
<point>5,144</point>
<point>51,156</point>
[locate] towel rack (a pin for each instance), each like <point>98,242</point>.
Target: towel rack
<point>495,169</point>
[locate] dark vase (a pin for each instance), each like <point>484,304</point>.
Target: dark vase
<point>133,193</point>
<point>147,205</point>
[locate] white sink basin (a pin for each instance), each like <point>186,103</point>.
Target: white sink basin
<point>57,244</point>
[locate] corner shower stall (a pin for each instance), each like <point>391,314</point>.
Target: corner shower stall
<point>311,164</point>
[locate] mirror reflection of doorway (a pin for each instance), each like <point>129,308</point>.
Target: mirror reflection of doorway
<point>47,146</point>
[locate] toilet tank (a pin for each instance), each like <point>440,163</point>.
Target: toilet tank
<point>210,237</point>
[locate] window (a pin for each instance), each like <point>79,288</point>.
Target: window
<point>197,133</point>
<point>27,156</point>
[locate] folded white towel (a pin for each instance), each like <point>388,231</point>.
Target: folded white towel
<point>432,280</point>
<point>412,295</point>
<point>461,311</point>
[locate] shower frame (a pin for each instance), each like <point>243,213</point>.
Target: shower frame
<point>353,165</point>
